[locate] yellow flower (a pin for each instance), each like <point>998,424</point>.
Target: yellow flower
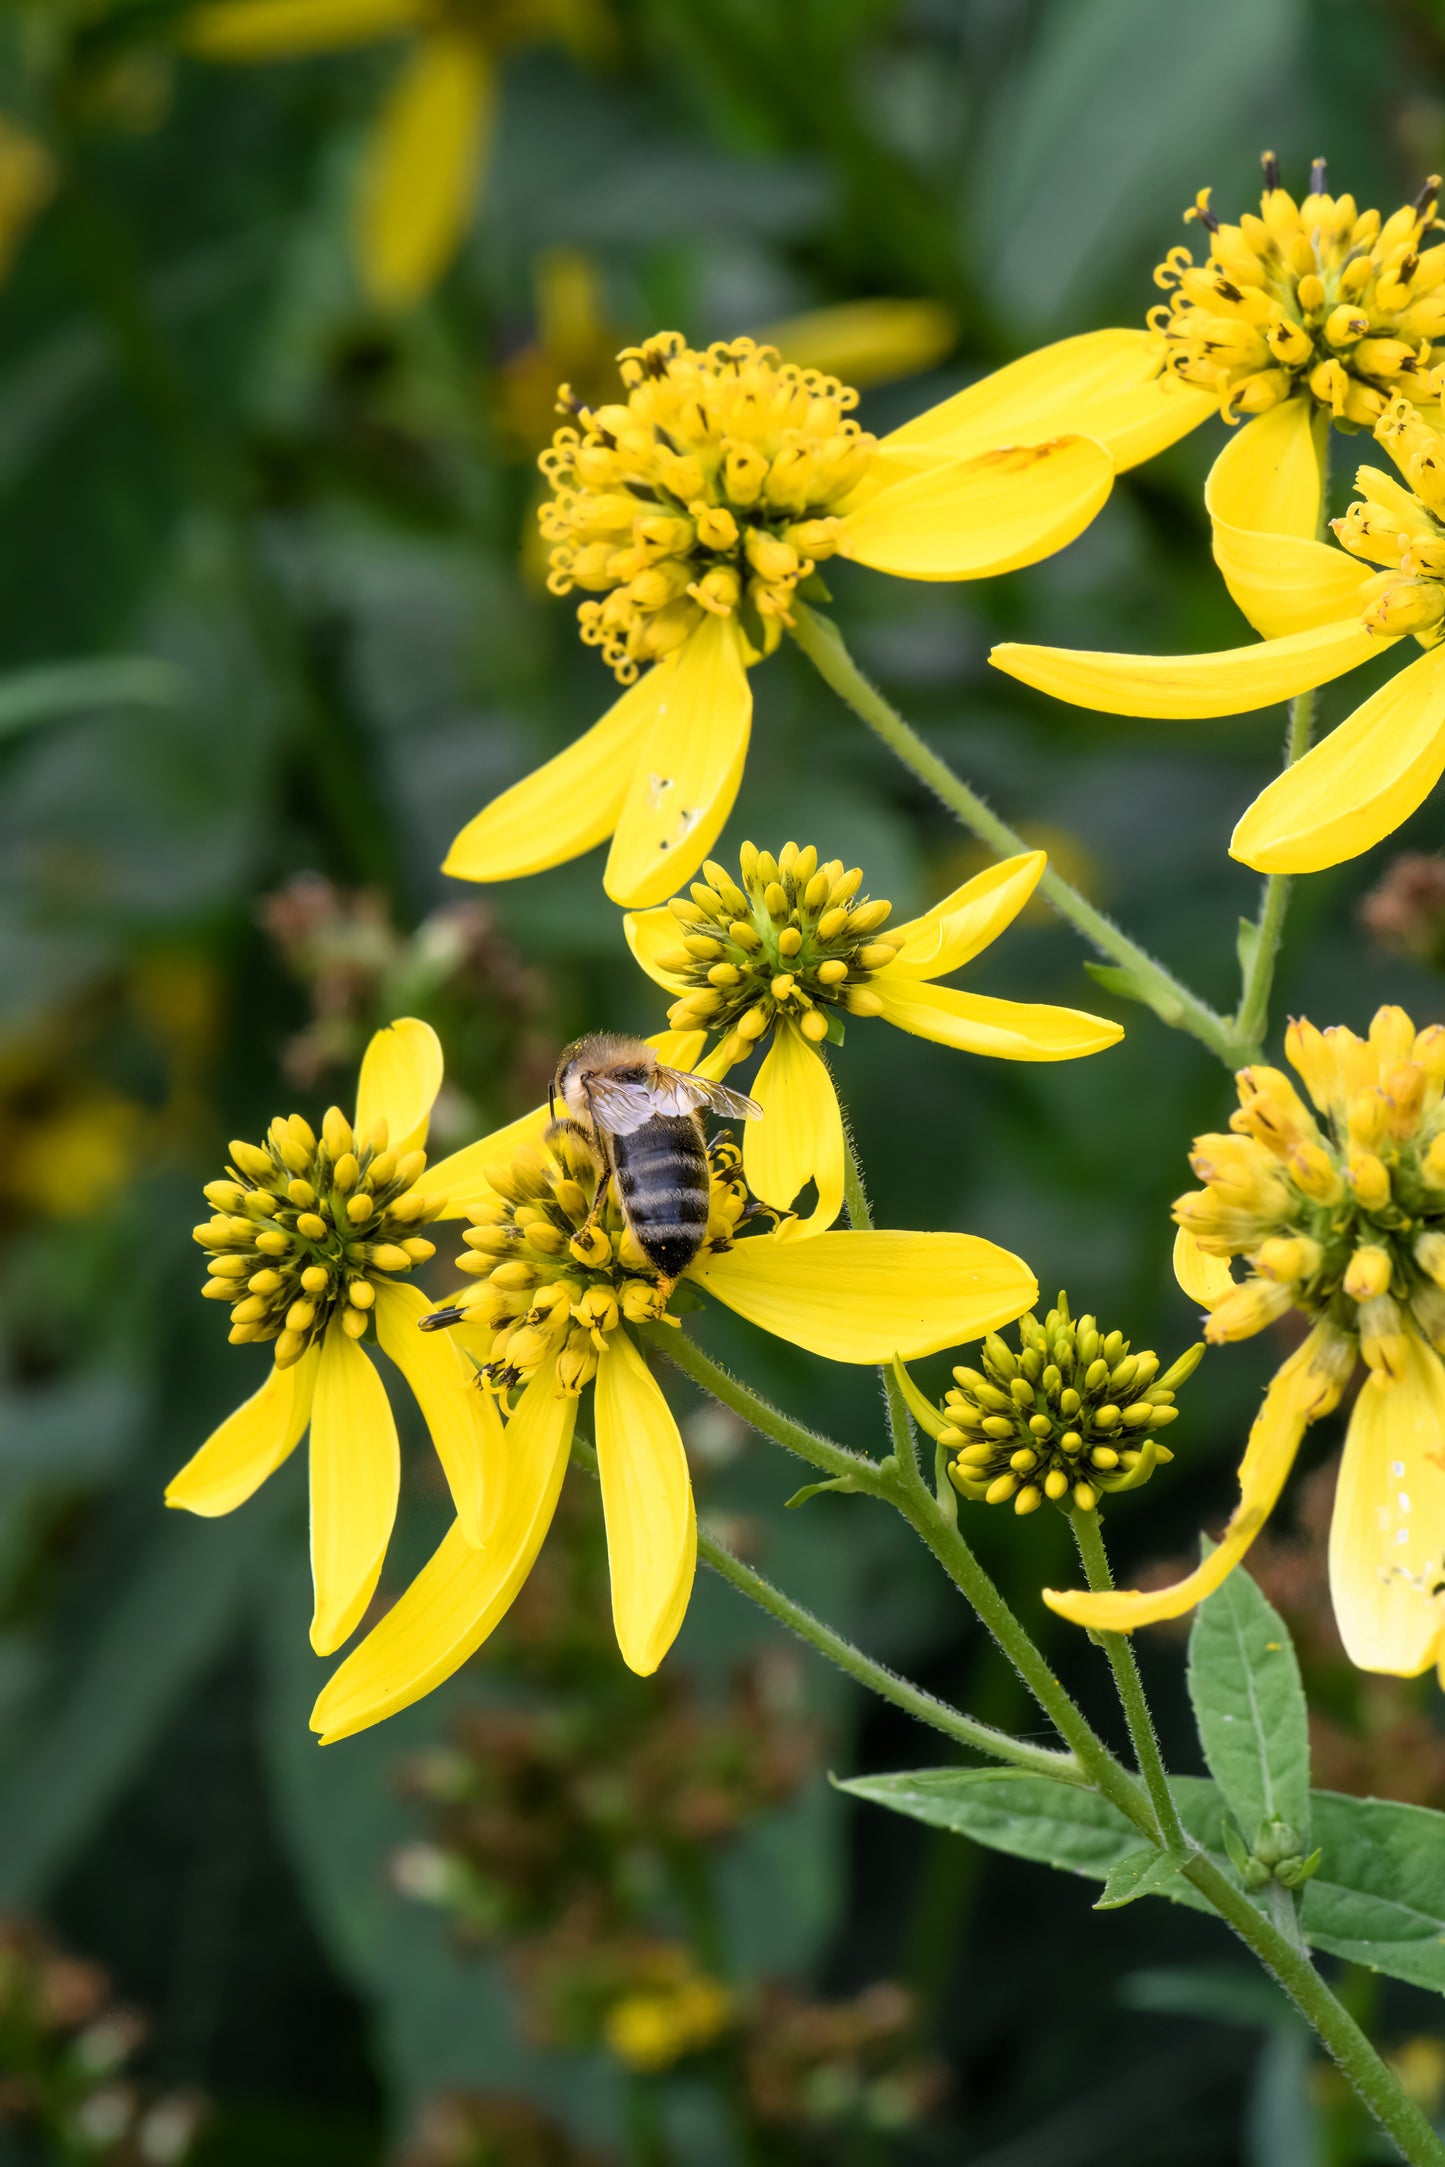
<point>557,1282</point>
<point>307,1241</point>
<point>429,149</point>
<point>654,2027</point>
<point>1342,1218</point>
<point>689,515</point>
<point>779,959</point>
<point>1326,615</point>
<point>28,180</point>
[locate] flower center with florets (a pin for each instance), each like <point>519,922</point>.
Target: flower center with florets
<point>559,1266</point>
<point>305,1229</point>
<point>1071,1414</point>
<point>1312,297</point>
<point>795,939</point>
<point>1342,1218</point>
<point>715,488</point>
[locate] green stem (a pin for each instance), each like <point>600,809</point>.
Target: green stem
<point>759,1414</point>
<point>822,643</point>
<point>855,1197</point>
<point>963,1729</point>
<point>1119,1649</point>
<point>1252,1018</point>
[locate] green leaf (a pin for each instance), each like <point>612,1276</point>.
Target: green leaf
<point>1378,1898</point>
<point>835,1027</point>
<point>846,1484</point>
<point>61,689</point>
<point>1129,986</point>
<point>1138,1873</point>
<point>1250,1707</point>
<point>1246,945</point>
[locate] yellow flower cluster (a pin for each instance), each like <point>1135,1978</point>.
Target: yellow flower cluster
<point>712,490</point>
<point>306,1228</point>
<point>1313,297</point>
<point>1401,529</point>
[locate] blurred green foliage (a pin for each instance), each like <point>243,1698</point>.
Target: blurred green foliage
<point>272,629</point>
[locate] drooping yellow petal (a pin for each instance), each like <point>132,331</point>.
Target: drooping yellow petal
<point>964,923</point>
<point>355,1480</point>
<point>286,29</point>
<point>419,184</point>
<point>567,806</point>
<point>647,1504</point>
<point>864,1296</point>
<point>401,1074</point>
<point>1388,1528</point>
<point>1104,384</point>
<point>800,1137</point>
<point>1286,585</point>
<point>650,934</point>
<point>977,1023</point>
<point>249,1445</point>
<point>973,518</point>
<point>866,342</point>
<point>1205,1279</point>
<point>688,772</point>
<point>1358,784</point>
<point>463,1420</point>
<point>460,1594</point>
<point>1292,1401</point>
<point>1263,497</point>
<point>1231,682</point>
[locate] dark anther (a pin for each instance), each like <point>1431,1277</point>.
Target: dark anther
<point>1227,290</point>
<point>656,364</point>
<point>1318,184</point>
<point>1271,169</point>
<point>1207,218</point>
<point>439,1319</point>
<point>1426,196</point>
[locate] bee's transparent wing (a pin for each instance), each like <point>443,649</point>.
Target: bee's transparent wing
<point>620,1105</point>
<point>675,1092</point>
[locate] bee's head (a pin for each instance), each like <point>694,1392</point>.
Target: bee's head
<point>567,1096</point>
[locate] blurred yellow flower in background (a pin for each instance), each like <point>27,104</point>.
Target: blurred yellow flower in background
<point>559,1282</point>
<point>779,958</point>
<point>426,159</point>
<point>28,179</point>
<point>1343,1220</point>
<point>308,1237</point>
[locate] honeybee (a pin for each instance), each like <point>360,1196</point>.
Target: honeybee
<point>644,1122</point>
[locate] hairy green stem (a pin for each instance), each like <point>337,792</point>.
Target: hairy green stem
<point>963,1729</point>
<point>855,1197</point>
<point>760,1414</point>
<point>1252,1017</point>
<point>1120,1650</point>
<point>1173,1002</point>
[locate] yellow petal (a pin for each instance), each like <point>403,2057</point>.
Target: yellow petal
<point>249,1445</point>
<point>1179,686</point>
<point>955,930</point>
<point>680,1049</point>
<point>355,1479</point>
<point>401,1075</point>
<point>866,342</point>
<point>567,806</point>
<point>800,1137</point>
<point>973,518</point>
<point>1104,384</point>
<point>463,1420</point>
<point>1263,497</point>
<point>419,184</point>
<point>1389,1517</point>
<point>1358,784</point>
<point>864,1296</point>
<point>1289,1404</point>
<point>976,1023</point>
<point>688,773</point>
<point>281,29</point>
<point>647,1503</point>
<point>460,1594</point>
<point>651,933</point>
<point>1205,1279</point>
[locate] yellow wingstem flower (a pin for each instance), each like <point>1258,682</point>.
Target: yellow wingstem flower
<point>1377,766</point>
<point>308,1244</point>
<point>689,514</point>
<point>28,180</point>
<point>774,961</point>
<point>427,155</point>
<point>557,1283</point>
<point>1338,1208</point>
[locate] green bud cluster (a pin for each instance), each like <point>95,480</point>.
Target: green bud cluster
<point>1278,1855</point>
<point>1072,1414</point>
<point>306,1226</point>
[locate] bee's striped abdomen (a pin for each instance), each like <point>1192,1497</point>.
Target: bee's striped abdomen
<point>662,1174</point>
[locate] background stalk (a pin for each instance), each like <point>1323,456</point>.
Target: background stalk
<point>1119,1649</point>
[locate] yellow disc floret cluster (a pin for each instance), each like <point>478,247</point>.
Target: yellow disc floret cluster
<point>559,1266</point>
<point>1343,1216</point>
<point>1072,1414</point>
<point>714,488</point>
<point>1402,529</point>
<point>1313,297</point>
<point>793,938</point>
<point>305,1228</point>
